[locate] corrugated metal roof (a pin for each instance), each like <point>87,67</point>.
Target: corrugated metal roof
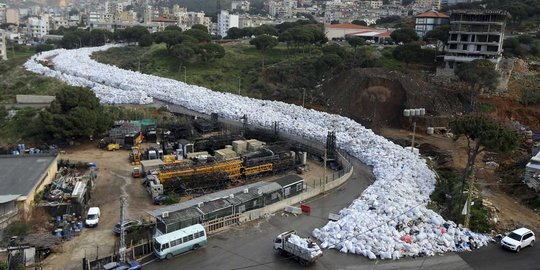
<point>288,180</point>
<point>8,198</point>
<point>209,197</point>
<point>20,174</point>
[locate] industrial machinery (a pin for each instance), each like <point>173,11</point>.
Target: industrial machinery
<point>135,155</point>
<point>113,146</point>
<point>136,173</point>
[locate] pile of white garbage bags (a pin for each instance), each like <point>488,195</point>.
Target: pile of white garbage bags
<point>306,244</point>
<point>390,220</point>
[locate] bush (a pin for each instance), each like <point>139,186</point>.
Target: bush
<point>17,228</point>
<point>479,219</point>
<point>530,96</point>
<point>486,107</point>
<point>44,47</point>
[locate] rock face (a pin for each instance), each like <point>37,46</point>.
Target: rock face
<point>371,95</point>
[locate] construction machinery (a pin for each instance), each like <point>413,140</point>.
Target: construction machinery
<point>113,146</point>
<point>135,155</point>
<point>136,173</point>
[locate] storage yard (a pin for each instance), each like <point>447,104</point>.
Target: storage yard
<point>375,225</point>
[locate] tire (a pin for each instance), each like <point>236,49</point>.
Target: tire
<point>532,243</point>
<point>195,247</point>
<point>169,256</point>
<point>518,249</point>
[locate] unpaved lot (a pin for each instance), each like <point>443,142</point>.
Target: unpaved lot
<point>114,179</point>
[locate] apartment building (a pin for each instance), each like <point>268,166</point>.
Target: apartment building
<point>434,4</point>
<point>38,27</point>
<point>12,16</point>
<point>226,21</point>
<point>3,53</point>
<point>428,21</point>
<point>475,34</point>
<point>3,10</point>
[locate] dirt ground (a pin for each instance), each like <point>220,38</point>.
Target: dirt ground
<point>510,212</point>
<point>114,179</point>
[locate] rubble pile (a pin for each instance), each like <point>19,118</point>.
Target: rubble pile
<point>389,220</point>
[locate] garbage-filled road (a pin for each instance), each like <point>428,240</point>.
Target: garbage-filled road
<point>389,220</point>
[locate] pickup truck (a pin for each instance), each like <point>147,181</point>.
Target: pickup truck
<point>301,249</point>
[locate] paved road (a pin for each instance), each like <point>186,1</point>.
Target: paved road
<point>250,245</point>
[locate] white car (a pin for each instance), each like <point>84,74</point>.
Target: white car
<point>518,239</point>
<point>92,219</point>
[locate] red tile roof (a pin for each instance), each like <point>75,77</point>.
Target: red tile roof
<point>347,26</point>
<point>432,14</point>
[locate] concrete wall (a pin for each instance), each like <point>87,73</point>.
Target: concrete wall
<point>25,203</point>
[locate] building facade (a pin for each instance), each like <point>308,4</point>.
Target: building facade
<point>475,34</point>
<point>3,46</point>
<point>434,4</point>
<point>38,27</point>
<point>226,21</point>
<point>428,21</point>
<point>3,10</point>
<point>12,16</point>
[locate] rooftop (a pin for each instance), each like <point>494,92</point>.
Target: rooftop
<point>20,174</point>
<point>33,99</point>
<point>481,12</point>
<point>289,179</point>
<point>432,14</point>
<point>347,26</point>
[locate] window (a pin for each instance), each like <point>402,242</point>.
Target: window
<point>188,238</point>
<point>299,187</point>
<point>527,236</point>
<point>176,242</point>
<point>274,196</point>
<point>287,191</point>
<point>478,48</point>
<point>465,47</point>
<point>242,208</point>
<point>165,246</point>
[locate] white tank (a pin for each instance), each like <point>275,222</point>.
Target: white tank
<point>406,112</point>
<point>430,130</point>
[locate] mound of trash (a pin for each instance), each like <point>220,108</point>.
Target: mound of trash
<point>389,220</point>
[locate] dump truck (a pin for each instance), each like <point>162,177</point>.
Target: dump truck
<point>303,250</point>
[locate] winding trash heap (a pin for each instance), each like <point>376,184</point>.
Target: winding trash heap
<point>389,220</point>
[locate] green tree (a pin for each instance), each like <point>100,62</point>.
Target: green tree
<point>146,40</point>
<point>200,27</point>
<point>199,35</point>
<point>210,51</point>
<point>173,28</point>
<point>478,74</point>
<point>359,22</point>
<point>405,35</point>
<point>75,113</point>
<point>263,43</point>
<point>441,34</point>
<point>183,52</point>
<point>234,33</point>
<point>482,134</point>
<point>355,42</point>
<point>407,53</point>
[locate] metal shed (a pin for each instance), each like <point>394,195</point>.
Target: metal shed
<point>216,209</point>
<point>291,185</point>
<point>271,193</point>
<point>248,201</point>
<point>170,222</point>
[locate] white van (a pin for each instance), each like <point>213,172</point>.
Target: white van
<point>92,219</point>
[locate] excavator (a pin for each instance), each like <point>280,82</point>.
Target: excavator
<point>135,155</point>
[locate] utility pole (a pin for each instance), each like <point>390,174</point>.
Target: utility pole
<point>469,197</point>
<point>122,249</point>
<point>324,173</point>
<point>411,113</point>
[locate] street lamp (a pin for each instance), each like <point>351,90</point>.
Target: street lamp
<point>411,113</point>
<point>239,84</point>
<point>185,73</point>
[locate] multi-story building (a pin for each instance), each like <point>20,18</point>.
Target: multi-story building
<point>12,16</point>
<point>38,27</point>
<point>281,9</point>
<point>240,5</point>
<point>199,18</point>
<point>475,34</point>
<point>246,20</point>
<point>374,4</point>
<point>428,21</point>
<point>434,4</point>
<point>226,21</point>
<point>113,7</point>
<point>3,53</point>
<point>3,10</point>
<point>455,2</point>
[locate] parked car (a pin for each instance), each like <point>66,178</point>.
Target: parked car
<point>92,218</point>
<point>518,239</point>
<point>133,265</point>
<point>160,199</point>
<point>129,225</point>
